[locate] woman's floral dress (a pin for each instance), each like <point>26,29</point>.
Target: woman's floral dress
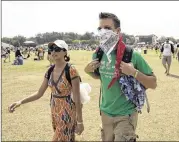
<point>63,109</point>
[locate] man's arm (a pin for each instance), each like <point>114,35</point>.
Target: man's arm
<point>89,69</point>
<point>142,71</point>
<point>147,81</point>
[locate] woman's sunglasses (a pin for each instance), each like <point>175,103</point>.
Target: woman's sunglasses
<point>56,49</point>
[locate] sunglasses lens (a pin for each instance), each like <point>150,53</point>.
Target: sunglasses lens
<point>57,49</point>
<point>50,48</point>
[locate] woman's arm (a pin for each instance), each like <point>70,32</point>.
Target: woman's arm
<point>37,94</point>
<point>77,100</point>
<point>31,98</point>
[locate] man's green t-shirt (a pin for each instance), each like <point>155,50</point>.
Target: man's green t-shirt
<point>113,102</point>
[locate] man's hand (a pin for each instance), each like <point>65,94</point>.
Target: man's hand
<point>92,66</point>
<point>127,68</point>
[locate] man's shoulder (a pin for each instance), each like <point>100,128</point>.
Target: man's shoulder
<point>136,54</point>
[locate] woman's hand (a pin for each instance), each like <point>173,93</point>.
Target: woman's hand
<point>79,128</point>
<point>12,107</point>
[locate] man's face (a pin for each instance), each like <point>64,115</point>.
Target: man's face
<point>108,24</point>
<point>167,41</point>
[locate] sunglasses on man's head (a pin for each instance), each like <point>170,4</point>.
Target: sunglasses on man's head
<point>56,49</point>
<point>106,27</point>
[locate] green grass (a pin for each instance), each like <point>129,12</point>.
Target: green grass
<point>33,121</point>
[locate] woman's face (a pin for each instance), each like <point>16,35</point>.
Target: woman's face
<point>57,53</point>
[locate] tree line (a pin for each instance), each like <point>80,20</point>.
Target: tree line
<point>70,37</point>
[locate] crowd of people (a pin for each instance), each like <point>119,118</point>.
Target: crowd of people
<point>25,52</point>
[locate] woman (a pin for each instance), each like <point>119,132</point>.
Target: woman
<point>7,54</point>
<point>19,56</point>
<point>66,113</point>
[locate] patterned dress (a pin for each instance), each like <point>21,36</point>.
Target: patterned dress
<point>63,109</point>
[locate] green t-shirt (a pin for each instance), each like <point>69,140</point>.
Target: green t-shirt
<point>113,102</point>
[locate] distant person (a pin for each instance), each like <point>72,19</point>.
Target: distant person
<point>178,52</point>
<point>49,58</point>
<point>156,48</point>
<point>19,56</point>
<point>167,50</point>
<point>66,113</point>
<point>40,53</point>
<point>145,49</point>
<point>43,54</point>
<point>3,52</point>
<point>175,50</point>
<point>7,54</point>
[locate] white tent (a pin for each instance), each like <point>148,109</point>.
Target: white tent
<point>29,42</point>
<point>141,43</point>
<point>5,45</point>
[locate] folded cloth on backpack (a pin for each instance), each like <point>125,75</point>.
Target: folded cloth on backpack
<point>85,89</point>
<point>134,91</point>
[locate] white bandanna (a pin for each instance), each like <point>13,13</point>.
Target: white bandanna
<point>108,40</point>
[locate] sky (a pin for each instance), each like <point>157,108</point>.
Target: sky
<point>29,18</point>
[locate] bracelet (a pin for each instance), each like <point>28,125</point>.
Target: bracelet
<point>79,122</point>
<point>20,102</point>
<point>136,73</point>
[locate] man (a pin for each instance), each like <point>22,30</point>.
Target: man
<point>175,50</point>
<point>156,48</point>
<point>8,54</point>
<point>119,116</point>
<point>167,50</point>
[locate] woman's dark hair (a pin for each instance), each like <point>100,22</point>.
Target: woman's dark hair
<point>104,15</point>
<point>67,58</point>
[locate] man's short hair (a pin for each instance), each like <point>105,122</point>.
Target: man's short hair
<point>104,15</point>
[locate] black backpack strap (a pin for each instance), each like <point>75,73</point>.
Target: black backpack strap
<point>50,71</point>
<point>172,48</point>
<point>127,54</point>
<point>99,55</point>
<point>67,73</point>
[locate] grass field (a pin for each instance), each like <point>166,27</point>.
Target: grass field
<point>32,122</point>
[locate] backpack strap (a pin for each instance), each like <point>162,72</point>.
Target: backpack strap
<point>127,54</point>
<point>67,73</point>
<point>99,55</point>
<point>126,57</point>
<point>50,71</point>
<point>172,48</point>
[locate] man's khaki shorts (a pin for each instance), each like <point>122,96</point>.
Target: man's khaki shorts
<point>120,128</point>
<point>167,59</point>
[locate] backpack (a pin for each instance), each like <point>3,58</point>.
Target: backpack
<point>67,72</point>
<point>126,57</point>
